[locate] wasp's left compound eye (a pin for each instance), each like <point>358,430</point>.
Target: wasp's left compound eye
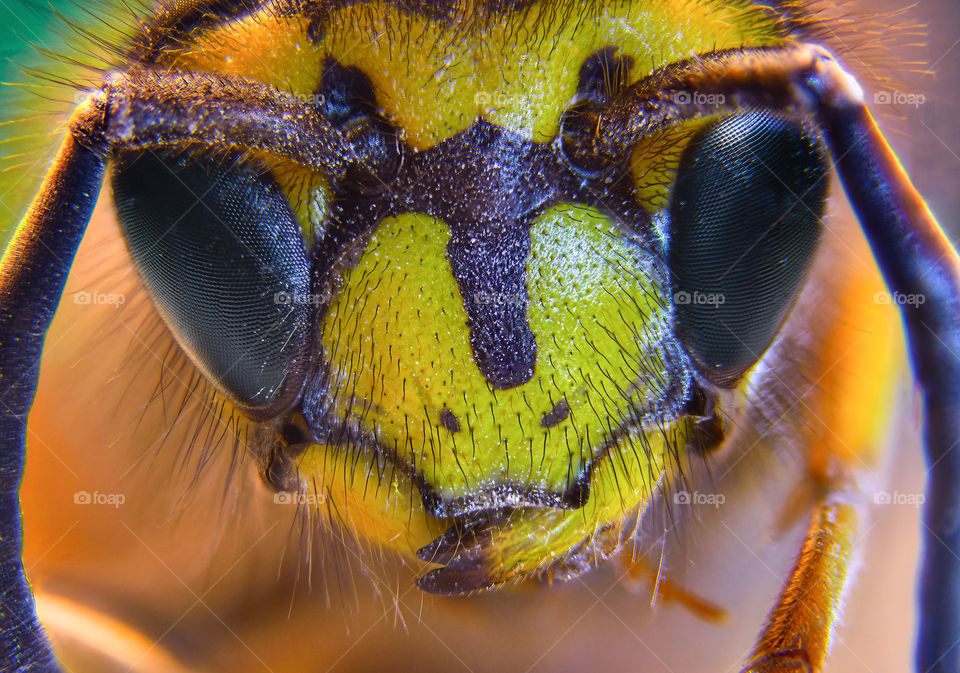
<point>221,253</point>
<point>745,221</point>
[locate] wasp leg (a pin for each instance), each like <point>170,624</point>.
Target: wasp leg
<point>797,634</point>
<point>916,259</point>
<point>914,256</point>
<point>138,110</point>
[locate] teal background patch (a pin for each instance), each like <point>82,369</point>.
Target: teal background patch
<point>34,100</point>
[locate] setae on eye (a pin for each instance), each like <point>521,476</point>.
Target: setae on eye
<point>745,219</point>
<point>220,251</point>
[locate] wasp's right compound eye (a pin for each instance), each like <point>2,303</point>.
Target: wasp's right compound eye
<point>221,254</point>
<point>745,219</point>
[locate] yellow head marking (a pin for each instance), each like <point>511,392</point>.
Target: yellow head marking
<point>403,374</point>
<point>434,77</point>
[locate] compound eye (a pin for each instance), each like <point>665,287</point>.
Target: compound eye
<point>745,219</point>
<point>220,252</point>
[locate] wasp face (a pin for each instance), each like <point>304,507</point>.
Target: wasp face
<point>488,313</point>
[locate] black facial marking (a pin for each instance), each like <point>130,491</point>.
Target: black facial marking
<point>488,251</point>
<point>604,75</point>
<point>708,435</point>
<point>345,94</point>
<point>488,186</point>
<point>556,415</point>
<point>449,420</point>
<point>346,97</point>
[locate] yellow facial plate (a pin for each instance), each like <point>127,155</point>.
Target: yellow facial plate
<point>398,344</point>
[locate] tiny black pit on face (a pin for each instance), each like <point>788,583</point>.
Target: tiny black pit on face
<point>449,420</point>
<point>709,431</point>
<point>556,415</point>
<point>347,99</point>
<point>602,77</point>
<point>605,74</point>
<point>708,435</point>
<point>295,432</point>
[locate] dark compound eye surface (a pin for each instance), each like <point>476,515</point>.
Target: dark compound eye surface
<point>745,221</point>
<point>221,253</point>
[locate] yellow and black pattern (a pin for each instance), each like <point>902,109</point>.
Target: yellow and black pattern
<point>486,347</point>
